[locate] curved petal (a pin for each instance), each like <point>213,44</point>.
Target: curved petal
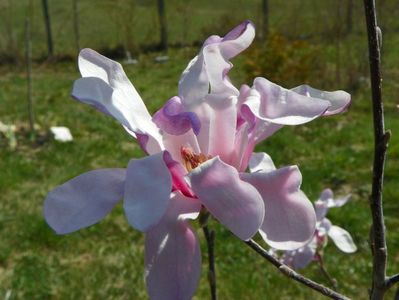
<point>340,100</point>
<point>238,39</point>
<point>273,103</point>
<point>147,189</point>
<point>342,239</point>
<point>218,116</point>
<point>174,120</point>
<point>218,139</point>
<point>174,143</point>
<point>206,90</point>
<point>289,215</point>
<point>341,201</point>
<point>243,147</point>
<point>84,200</point>
<point>326,195</point>
<point>326,201</point>
<point>235,203</point>
<point>323,226</point>
<point>321,209</point>
<point>212,63</point>
<point>106,86</point>
<point>194,82</point>
<point>261,162</point>
<point>172,252</point>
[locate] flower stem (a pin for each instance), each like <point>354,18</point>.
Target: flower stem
<point>210,241</point>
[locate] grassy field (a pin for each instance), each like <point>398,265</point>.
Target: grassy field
<point>105,261</point>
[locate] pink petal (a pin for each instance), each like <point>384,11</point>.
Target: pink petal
<point>290,219</point>
<point>235,203</point>
<point>242,143</point>
<point>147,189</point>
<point>261,162</point>
<point>238,39</point>
<point>174,143</point>
<point>272,103</point>
<point>302,257</point>
<point>342,239</point>
<point>172,253</point>
<point>172,118</point>
<point>243,94</point>
<point>106,86</point>
<point>341,201</point>
<point>195,81</point>
<point>206,90</point>
<point>84,200</point>
<point>326,195</point>
<point>321,209</point>
<point>327,201</point>
<point>219,125</point>
<point>339,100</point>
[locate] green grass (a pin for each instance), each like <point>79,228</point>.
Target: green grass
<point>105,261</point>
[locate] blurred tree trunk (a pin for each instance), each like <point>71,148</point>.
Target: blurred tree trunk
<point>47,23</point>
<point>265,20</point>
<point>349,17</point>
<point>163,25</point>
<point>76,24</point>
<point>28,61</point>
<point>338,29</point>
<point>7,21</point>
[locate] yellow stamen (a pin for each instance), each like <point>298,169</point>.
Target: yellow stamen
<point>192,160</point>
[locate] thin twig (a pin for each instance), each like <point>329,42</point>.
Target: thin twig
<point>381,139</point>
<point>294,275</point>
<point>389,282</point>
<point>326,274</point>
<point>210,242</point>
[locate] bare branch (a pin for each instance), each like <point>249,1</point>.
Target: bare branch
<point>389,282</point>
<point>381,139</point>
<point>294,275</point>
<point>210,240</point>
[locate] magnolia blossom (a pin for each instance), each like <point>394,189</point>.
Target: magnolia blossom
<point>301,257</point>
<point>199,145</point>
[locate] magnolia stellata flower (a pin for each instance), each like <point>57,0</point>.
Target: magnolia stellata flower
<point>199,144</point>
<point>301,257</point>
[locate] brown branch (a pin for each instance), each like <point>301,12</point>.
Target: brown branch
<point>389,282</point>
<point>210,242</point>
<point>381,139</point>
<point>294,275</point>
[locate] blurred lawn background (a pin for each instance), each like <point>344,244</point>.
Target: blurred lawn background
<point>309,41</point>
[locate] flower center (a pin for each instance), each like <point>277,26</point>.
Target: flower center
<point>192,160</point>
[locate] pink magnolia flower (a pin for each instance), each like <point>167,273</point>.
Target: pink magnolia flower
<point>199,144</point>
<point>301,257</point>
